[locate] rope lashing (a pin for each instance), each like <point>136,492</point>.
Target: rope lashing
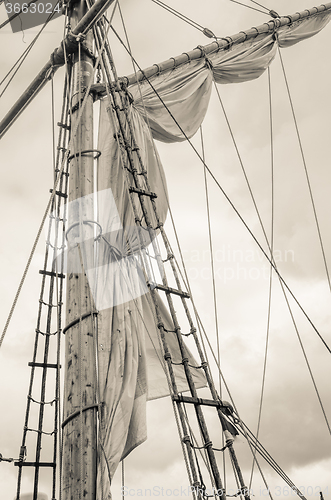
<point>3,459</point>
<point>169,256</point>
<point>209,63</point>
<point>45,333</point>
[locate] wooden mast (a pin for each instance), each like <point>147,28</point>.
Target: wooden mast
<point>80,411</point>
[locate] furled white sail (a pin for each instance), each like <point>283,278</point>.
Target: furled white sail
<point>174,102</point>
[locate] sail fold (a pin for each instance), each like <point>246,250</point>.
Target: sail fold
<point>302,29</point>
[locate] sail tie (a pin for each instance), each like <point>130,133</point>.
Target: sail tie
<point>209,63</point>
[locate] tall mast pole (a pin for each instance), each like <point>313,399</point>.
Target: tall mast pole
<point>80,418</point>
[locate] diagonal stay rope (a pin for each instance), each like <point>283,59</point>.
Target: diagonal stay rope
<point>179,15</point>
<point>270,277</point>
<point>250,7</point>
<point>272,260</point>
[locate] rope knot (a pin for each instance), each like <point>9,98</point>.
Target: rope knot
<point>80,37</point>
<point>186,439</point>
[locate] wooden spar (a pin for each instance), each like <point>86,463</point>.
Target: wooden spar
<point>79,465</point>
<point>223,43</point>
<point>56,61</point>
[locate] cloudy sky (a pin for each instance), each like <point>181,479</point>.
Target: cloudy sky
<point>292,429</point>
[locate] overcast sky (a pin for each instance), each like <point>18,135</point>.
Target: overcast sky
<point>293,429</point>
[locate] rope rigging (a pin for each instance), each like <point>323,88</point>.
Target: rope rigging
<point>269,244</point>
<point>22,57</point>
<point>271,274</point>
<point>256,207</point>
<point>249,7</point>
<point>99,31</point>
<point>230,202</point>
<point>186,19</point>
<point>200,158</point>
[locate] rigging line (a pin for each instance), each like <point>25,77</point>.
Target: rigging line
<point>148,124</point>
<point>272,260</point>
<point>189,465</point>
<point>213,284</point>
<point>123,484</point>
<point>270,277</point>
<point>309,368</point>
<point>242,167</point>
<point>49,204</point>
<point>179,15</point>
<point>305,168</point>
<point>211,255</point>
<point>178,125</point>
<point>249,7</point>
<point>24,55</point>
<point>135,300</point>
<point>243,431</point>
<point>65,112</point>
<point>264,453</point>
<point>53,125</point>
<point>261,472</point>
<point>164,187</point>
<point>260,5</point>
<point>230,202</point>
<point>81,292</point>
<point>162,363</point>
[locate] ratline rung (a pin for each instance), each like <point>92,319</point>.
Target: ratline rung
<point>51,273</point>
<point>63,125</point>
<point>64,195</point>
<point>35,464</point>
<point>44,365</point>
<point>197,401</point>
<point>168,289</point>
<point>142,191</point>
<point>57,170</point>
